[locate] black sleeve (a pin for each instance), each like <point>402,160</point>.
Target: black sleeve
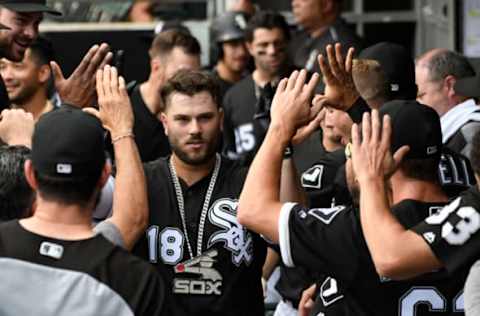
<point>357,110</point>
<point>321,240</point>
<point>453,234</point>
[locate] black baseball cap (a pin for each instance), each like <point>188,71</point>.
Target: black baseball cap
<point>468,86</point>
<point>68,143</point>
<point>398,66</point>
<point>415,125</point>
<point>28,6</point>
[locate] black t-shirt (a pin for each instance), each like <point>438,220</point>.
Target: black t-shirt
<point>331,241</point>
<point>149,133</point>
<point>81,277</point>
<point>225,280</point>
<point>454,233</point>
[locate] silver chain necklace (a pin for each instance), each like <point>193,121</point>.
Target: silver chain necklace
<point>206,203</point>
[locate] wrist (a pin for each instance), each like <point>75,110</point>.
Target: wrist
<point>122,136</point>
<point>281,133</point>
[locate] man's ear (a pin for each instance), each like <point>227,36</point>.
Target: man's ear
<point>106,172</point>
<point>249,46</point>
<point>44,73</point>
<point>449,84</point>
<point>163,119</point>
<point>30,175</point>
<point>222,118</point>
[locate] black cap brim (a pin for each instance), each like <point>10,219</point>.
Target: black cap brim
<point>30,7</point>
<point>468,87</point>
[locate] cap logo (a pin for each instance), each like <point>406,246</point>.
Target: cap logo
<point>395,87</point>
<point>241,22</point>
<point>431,150</point>
<point>64,168</point>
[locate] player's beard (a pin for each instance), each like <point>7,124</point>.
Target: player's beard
<point>199,159</point>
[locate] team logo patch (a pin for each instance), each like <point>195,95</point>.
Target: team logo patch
<point>430,237</point>
<point>208,281</point>
<point>326,215</point>
<point>329,292</point>
<point>51,250</point>
<point>312,178</point>
<point>235,237</point>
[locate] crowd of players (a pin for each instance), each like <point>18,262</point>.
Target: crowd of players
<point>351,170</point>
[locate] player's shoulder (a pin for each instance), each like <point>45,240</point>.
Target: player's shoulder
<point>411,212</point>
<point>233,171</point>
<point>239,88</point>
<point>157,166</point>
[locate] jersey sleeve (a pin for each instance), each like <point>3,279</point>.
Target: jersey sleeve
<point>453,234</point>
<point>319,239</point>
<point>110,232</point>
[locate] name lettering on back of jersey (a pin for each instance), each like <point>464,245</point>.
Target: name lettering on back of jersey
<point>312,178</point>
<point>453,170</point>
<point>51,250</point>
<point>329,292</point>
<point>326,215</point>
<point>206,280</point>
<point>235,237</point>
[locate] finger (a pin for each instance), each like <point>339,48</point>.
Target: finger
<point>333,61</point>
<point>57,72</point>
<point>366,128</point>
<point>302,76</point>
<point>92,111</point>
<point>108,58</point>
<point>349,60</point>
<point>96,59</point>
<point>325,69</point>
<point>355,133</point>
<point>375,127</point>
<point>292,80</point>
<point>114,80</point>
<point>339,56</point>
<point>84,64</point>
<point>106,80</point>
<point>306,131</point>
<point>282,85</point>
<point>122,86</point>
<point>312,84</point>
<point>386,133</point>
<point>99,83</point>
<point>400,154</point>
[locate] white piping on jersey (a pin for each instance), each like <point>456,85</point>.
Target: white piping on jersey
<point>284,234</point>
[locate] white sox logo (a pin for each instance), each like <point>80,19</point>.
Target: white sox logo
<point>235,237</point>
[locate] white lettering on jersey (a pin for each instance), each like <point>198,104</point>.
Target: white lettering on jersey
<point>312,178</point>
<point>326,215</point>
<point>236,238</point>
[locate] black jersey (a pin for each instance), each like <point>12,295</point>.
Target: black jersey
<point>223,84</point>
<point>455,172</point>
<point>324,182</point>
<point>454,233</point>
<point>149,133</point>
<point>331,241</point>
<point>226,278</point>
<point>242,134</point>
<point>46,276</point>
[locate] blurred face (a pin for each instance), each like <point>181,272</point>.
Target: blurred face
<point>306,12</point>
<point>23,79</point>
<point>193,125</point>
<point>177,60</point>
<point>429,92</point>
<point>23,30</point>
<point>269,50</point>
<point>235,55</point>
<point>337,126</point>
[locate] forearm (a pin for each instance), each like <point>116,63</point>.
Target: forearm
<point>271,261</point>
<point>130,204</point>
<point>398,253</point>
<point>291,189</point>
<point>259,203</point>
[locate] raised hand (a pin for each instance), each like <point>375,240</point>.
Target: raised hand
<point>291,104</point>
<point>371,156</point>
<point>16,127</point>
<point>340,89</point>
<point>115,109</point>
<point>79,88</point>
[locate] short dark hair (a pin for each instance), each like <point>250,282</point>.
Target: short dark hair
<point>475,153</point>
<point>42,51</point>
<point>16,195</point>
<point>165,42</point>
<point>447,63</point>
<point>267,20</point>
<point>67,191</point>
<point>190,82</point>
<point>421,169</point>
